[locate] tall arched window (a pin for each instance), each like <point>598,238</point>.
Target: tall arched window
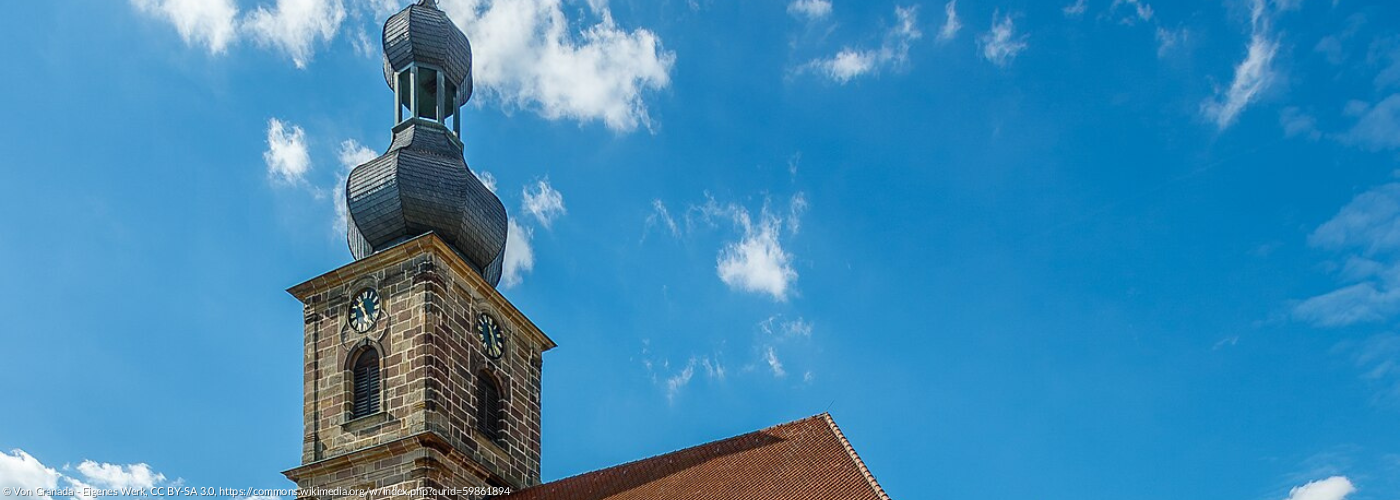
<point>366,375</point>
<point>488,411</point>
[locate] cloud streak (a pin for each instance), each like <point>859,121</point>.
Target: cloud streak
<point>851,63</point>
<point>1001,44</point>
<point>1253,75</point>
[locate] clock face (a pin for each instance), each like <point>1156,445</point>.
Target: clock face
<point>491,336</point>
<point>364,310</point>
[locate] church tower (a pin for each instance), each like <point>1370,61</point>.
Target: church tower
<point>418,372</point>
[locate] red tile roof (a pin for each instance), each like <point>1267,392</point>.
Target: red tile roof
<point>808,459</point>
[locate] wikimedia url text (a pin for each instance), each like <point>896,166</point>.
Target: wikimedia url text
<point>87,492</point>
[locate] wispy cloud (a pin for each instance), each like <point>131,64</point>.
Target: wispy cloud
<point>1365,234</point>
<point>543,202</point>
<point>531,55</point>
<point>295,26</point>
<point>661,217</point>
<point>519,257</point>
<point>1297,123</point>
<point>951,25</point>
<point>211,23</point>
<point>1170,39</point>
<point>286,157</point>
<point>674,380</point>
<point>1001,44</point>
<point>1253,75</point>
<point>1378,358</point>
<point>850,63</point>
<point>352,154</point>
<point>1137,11</point>
<point>779,331</point>
<point>1377,126</point>
<point>810,9</point>
<point>1075,9</point>
<point>774,364</point>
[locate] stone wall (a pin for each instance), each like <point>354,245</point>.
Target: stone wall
<point>431,360</point>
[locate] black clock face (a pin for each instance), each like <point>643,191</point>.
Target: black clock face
<point>491,336</point>
<point>364,310</point>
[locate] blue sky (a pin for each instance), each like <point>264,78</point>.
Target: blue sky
<point>1018,249</point>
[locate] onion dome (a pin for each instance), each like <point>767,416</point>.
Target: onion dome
<point>422,184</point>
<point>422,34</point>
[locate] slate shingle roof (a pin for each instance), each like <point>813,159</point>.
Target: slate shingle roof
<point>422,185</point>
<point>808,459</point>
<point>422,33</point>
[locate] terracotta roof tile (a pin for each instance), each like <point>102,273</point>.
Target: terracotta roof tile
<point>807,459</point>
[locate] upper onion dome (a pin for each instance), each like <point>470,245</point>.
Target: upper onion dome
<point>422,34</point>
<point>422,184</point>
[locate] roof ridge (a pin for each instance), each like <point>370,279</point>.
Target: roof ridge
<point>865,471</point>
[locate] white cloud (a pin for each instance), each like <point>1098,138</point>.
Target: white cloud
<point>757,262</point>
<point>543,202</point>
<point>774,364</point>
<point>519,257</point>
<point>850,63</point>
<point>20,470</point>
<point>1075,9</point>
<point>114,476</point>
<point>286,156</point>
<point>1253,75</point>
<point>486,179</point>
<point>1366,234</point>
<point>527,54</point>
<point>1377,127</point>
<point>352,154</point>
<point>811,9</point>
<point>296,26</point>
<point>952,25</point>
<point>1332,488</point>
<point>1000,44</point>
<point>207,22</point>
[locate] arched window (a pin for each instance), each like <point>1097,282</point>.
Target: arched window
<point>488,411</point>
<point>366,375</point>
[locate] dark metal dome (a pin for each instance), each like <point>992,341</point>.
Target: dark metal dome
<point>422,184</point>
<point>423,34</point>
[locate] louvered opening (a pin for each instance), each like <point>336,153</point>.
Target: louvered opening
<point>488,411</point>
<point>366,375</point>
